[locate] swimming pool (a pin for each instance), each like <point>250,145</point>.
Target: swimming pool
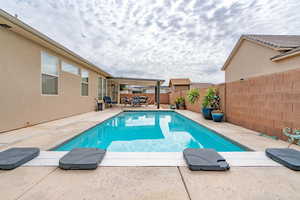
<point>150,131</point>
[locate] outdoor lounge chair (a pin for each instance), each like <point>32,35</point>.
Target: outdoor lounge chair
<point>15,157</point>
<point>82,158</point>
<point>143,99</point>
<point>204,159</point>
<point>285,156</point>
<point>107,100</point>
<point>125,101</point>
<point>136,101</point>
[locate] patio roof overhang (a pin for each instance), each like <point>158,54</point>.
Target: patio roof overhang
<point>141,81</point>
<point>137,81</point>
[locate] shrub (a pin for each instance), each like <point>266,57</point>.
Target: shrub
<point>211,99</point>
<point>179,100</point>
<point>193,95</point>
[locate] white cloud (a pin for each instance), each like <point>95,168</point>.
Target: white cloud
<point>154,38</point>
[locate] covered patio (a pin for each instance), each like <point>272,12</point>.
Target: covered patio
<point>117,81</point>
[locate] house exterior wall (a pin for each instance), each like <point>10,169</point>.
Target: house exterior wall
<point>179,87</point>
<point>253,60</point>
<point>22,103</point>
<point>201,85</point>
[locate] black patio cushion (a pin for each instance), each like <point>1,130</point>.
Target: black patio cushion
<point>82,158</point>
<point>14,157</point>
<point>204,159</point>
<point>285,156</point>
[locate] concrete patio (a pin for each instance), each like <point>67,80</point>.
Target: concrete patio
<point>175,182</point>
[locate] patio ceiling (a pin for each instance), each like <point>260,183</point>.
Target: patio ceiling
<point>136,81</point>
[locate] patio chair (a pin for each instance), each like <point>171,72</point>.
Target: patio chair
<point>143,100</point>
<point>107,100</point>
<point>125,101</point>
<point>136,101</point>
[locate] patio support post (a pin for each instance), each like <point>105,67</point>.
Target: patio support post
<point>158,94</point>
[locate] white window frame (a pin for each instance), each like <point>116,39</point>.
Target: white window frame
<point>83,82</point>
<point>78,68</point>
<point>100,77</point>
<point>56,75</point>
<point>104,80</point>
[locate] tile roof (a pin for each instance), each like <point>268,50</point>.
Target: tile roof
<point>180,81</point>
<point>276,41</point>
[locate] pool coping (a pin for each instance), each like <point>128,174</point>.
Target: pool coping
<point>77,135</point>
<point>157,159</point>
<point>246,148</point>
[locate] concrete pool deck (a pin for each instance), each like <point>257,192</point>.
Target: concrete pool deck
<point>159,182</point>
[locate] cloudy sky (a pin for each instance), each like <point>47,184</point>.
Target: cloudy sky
<point>156,38</point>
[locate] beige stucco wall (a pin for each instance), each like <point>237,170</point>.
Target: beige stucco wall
<point>253,60</point>
<point>21,101</point>
<point>179,87</point>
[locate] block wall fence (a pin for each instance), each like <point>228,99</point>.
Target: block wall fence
<point>265,104</point>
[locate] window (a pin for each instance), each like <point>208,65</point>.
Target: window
<point>100,87</point>
<point>104,87</point>
<point>84,83</point>
<point>70,68</point>
<point>49,74</point>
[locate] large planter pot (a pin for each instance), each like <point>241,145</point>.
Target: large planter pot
<point>217,117</point>
<point>206,112</point>
<point>181,106</point>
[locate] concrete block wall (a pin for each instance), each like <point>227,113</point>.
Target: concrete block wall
<point>266,103</point>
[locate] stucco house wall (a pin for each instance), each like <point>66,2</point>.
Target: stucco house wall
<point>179,87</point>
<point>252,60</point>
<point>22,103</point>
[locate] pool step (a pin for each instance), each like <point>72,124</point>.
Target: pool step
<point>235,159</point>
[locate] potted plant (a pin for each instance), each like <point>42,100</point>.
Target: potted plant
<point>179,101</point>
<point>217,114</point>
<point>208,103</point>
<point>99,104</point>
<point>193,95</point>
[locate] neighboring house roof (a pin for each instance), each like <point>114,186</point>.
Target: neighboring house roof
<point>201,85</point>
<point>14,24</point>
<point>284,44</point>
<point>277,41</point>
<point>179,81</point>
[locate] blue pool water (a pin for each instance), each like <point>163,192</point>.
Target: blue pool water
<point>149,131</point>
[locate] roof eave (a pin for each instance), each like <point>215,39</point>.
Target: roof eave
<point>281,57</point>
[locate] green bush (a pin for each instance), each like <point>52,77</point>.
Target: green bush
<point>179,100</point>
<point>209,98</point>
<point>193,95</point>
